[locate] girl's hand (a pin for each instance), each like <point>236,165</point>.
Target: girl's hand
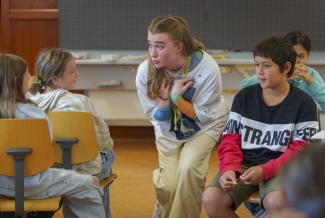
<point>181,85</point>
<point>228,180</point>
<point>301,71</point>
<point>95,181</point>
<point>253,176</point>
<point>164,92</point>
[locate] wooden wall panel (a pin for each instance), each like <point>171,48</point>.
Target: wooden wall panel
<point>28,26</point>
<point>5,28</point>
<point>28,37</point>
<point>34,4</point>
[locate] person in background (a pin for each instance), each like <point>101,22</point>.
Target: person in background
<point>303,183</point>
<point>82,196</point>
<point>179,87</point>
<point>304,77</point>
<point>56,73</point>
<point>268,123</point>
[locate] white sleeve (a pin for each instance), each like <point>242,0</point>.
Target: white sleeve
<point>209,94</point>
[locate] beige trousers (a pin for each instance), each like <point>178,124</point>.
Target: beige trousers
<point>180,181</point>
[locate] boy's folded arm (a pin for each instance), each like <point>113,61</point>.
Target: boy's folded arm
<point>270,168</point>
<point>230,153</point>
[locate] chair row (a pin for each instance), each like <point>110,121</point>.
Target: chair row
<point>25,152</point>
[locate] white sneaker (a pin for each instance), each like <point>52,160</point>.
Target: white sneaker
<point>156,211</point>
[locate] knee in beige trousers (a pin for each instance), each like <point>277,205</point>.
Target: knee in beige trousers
<point>180,180</point>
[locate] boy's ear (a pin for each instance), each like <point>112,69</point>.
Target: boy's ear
<point>287,67</point>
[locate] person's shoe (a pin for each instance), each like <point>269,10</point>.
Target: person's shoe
<point>256,210</point>
<point>156,211</point>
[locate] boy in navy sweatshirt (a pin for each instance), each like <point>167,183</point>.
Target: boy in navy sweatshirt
<point>268,123</point>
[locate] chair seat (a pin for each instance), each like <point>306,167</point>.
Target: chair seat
<point>47,204</point>
<point>254,198</point>
<point>107,181</point>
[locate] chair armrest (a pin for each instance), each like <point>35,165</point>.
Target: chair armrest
<point>19,155</point>
<point>66,145</point>
<point>107,181</point>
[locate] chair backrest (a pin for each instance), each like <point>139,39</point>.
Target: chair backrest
<point>74,124</point>
<point>26,133</point>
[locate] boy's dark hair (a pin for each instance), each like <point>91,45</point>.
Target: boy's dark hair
<point>279,50</point>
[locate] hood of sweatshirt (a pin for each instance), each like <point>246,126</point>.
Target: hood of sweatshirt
<point>48,101</point>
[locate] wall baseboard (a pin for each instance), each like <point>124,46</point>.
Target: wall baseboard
<point>129,132</point>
